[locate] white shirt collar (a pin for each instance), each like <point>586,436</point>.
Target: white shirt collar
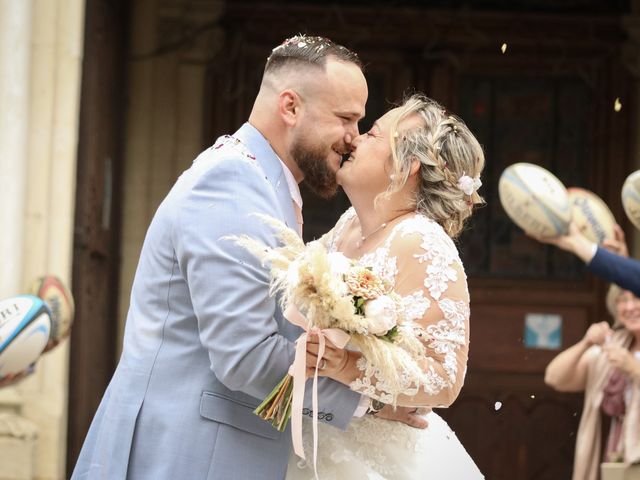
<point>294,189</point>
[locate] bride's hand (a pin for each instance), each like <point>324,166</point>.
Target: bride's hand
<point>332,363</point>
<point>408,415</point>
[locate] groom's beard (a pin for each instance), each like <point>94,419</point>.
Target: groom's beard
<point>312,161</point>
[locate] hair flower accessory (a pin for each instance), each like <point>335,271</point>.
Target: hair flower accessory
<point>469,185</point>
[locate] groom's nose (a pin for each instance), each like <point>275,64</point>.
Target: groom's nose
<point>351,134</point>
<point>354,142</point>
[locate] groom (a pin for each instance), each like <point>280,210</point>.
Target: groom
<point>204,341</point>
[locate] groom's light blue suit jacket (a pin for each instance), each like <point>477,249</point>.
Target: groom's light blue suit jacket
<point>204,341</point>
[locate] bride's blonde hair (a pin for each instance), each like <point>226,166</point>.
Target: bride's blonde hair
<point>447,151</point>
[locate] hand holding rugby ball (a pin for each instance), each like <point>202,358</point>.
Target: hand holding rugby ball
<point>535,200</point>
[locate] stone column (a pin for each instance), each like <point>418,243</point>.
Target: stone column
<point>15,42</point>
<point>16,449</point>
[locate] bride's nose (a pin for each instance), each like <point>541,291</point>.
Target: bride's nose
<point>356,141</point>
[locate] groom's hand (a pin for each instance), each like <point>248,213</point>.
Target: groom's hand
<point>409,415</point>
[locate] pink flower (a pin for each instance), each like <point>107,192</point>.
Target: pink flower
<point>362,282</point>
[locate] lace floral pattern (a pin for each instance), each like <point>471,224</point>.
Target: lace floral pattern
<point>378,390</point>
<point>415,305</point>
<point>334,235</point>
<point>375,449</point>
<point>370,453</point>
<point>439,253</point>
<point>449,334</point>
<point>435,264</point>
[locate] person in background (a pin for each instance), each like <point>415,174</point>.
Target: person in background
<point>605,365</point>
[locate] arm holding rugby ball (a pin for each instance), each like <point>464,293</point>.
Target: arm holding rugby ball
<point>14,378</point>
<point>613,266</point>
<point>23,323</point>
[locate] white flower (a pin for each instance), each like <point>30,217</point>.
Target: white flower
<point>293,277</point>
<point>382,314</point>
<point>337,286</point>
<point>469,185</point>
<point>338,263</point>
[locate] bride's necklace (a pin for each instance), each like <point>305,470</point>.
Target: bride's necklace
<point>363,238</point>
<point>382,226</point>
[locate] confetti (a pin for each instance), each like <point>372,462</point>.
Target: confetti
<point>503,48</point>
<point>533,396</point>
<point>497,406</point>
<point>617,105</point>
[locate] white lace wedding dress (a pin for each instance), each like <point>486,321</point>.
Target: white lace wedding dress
<point>422,263</point>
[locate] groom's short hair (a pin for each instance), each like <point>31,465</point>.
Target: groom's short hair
<point>306,50</point>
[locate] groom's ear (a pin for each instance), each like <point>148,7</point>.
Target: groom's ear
<point>289,106</point>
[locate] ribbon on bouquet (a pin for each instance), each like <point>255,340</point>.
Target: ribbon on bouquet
<point>298,371</point>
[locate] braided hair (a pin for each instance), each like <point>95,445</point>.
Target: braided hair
<point>447,151</point>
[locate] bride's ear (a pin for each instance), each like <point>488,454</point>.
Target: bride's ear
<point>289,106</point>
<point>415,167</point>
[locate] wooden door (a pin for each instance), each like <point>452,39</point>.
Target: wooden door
<point>97,220</point>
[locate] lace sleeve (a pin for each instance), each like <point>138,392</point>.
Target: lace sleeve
<point>430,279</point>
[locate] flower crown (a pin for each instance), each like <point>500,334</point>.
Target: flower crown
<point>469,185</point>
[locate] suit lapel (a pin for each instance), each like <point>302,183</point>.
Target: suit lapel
<point>272,167</point>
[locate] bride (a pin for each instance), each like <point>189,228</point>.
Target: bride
<point>412,182</point>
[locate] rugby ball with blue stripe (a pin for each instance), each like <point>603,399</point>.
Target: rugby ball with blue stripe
<point>535,200</point>
<point>591,215</point>
<point>631,198</point>
<point>25,327</point>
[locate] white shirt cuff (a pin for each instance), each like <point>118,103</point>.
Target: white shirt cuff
<point>594,250</point>
<point>362,407</point>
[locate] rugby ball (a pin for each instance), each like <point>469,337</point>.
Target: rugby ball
<point>631,198</point>
<point>591,215</point>
<point>60,302</point>
<point>25,326</point>
<point>535,200</point>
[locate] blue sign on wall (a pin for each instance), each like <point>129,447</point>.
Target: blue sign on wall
<point>543,330</point>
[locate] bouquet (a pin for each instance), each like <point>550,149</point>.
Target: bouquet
<point>331,291</point>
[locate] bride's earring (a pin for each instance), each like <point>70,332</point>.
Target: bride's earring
<point>392,177</point>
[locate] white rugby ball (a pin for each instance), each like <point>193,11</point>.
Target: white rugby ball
<point>591,215</point>
<point>535,200</point>
<point>25,326</point>
<point>631,198</point>
<point>59,300</point>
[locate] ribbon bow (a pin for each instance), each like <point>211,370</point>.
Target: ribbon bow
<point>298,371</point>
